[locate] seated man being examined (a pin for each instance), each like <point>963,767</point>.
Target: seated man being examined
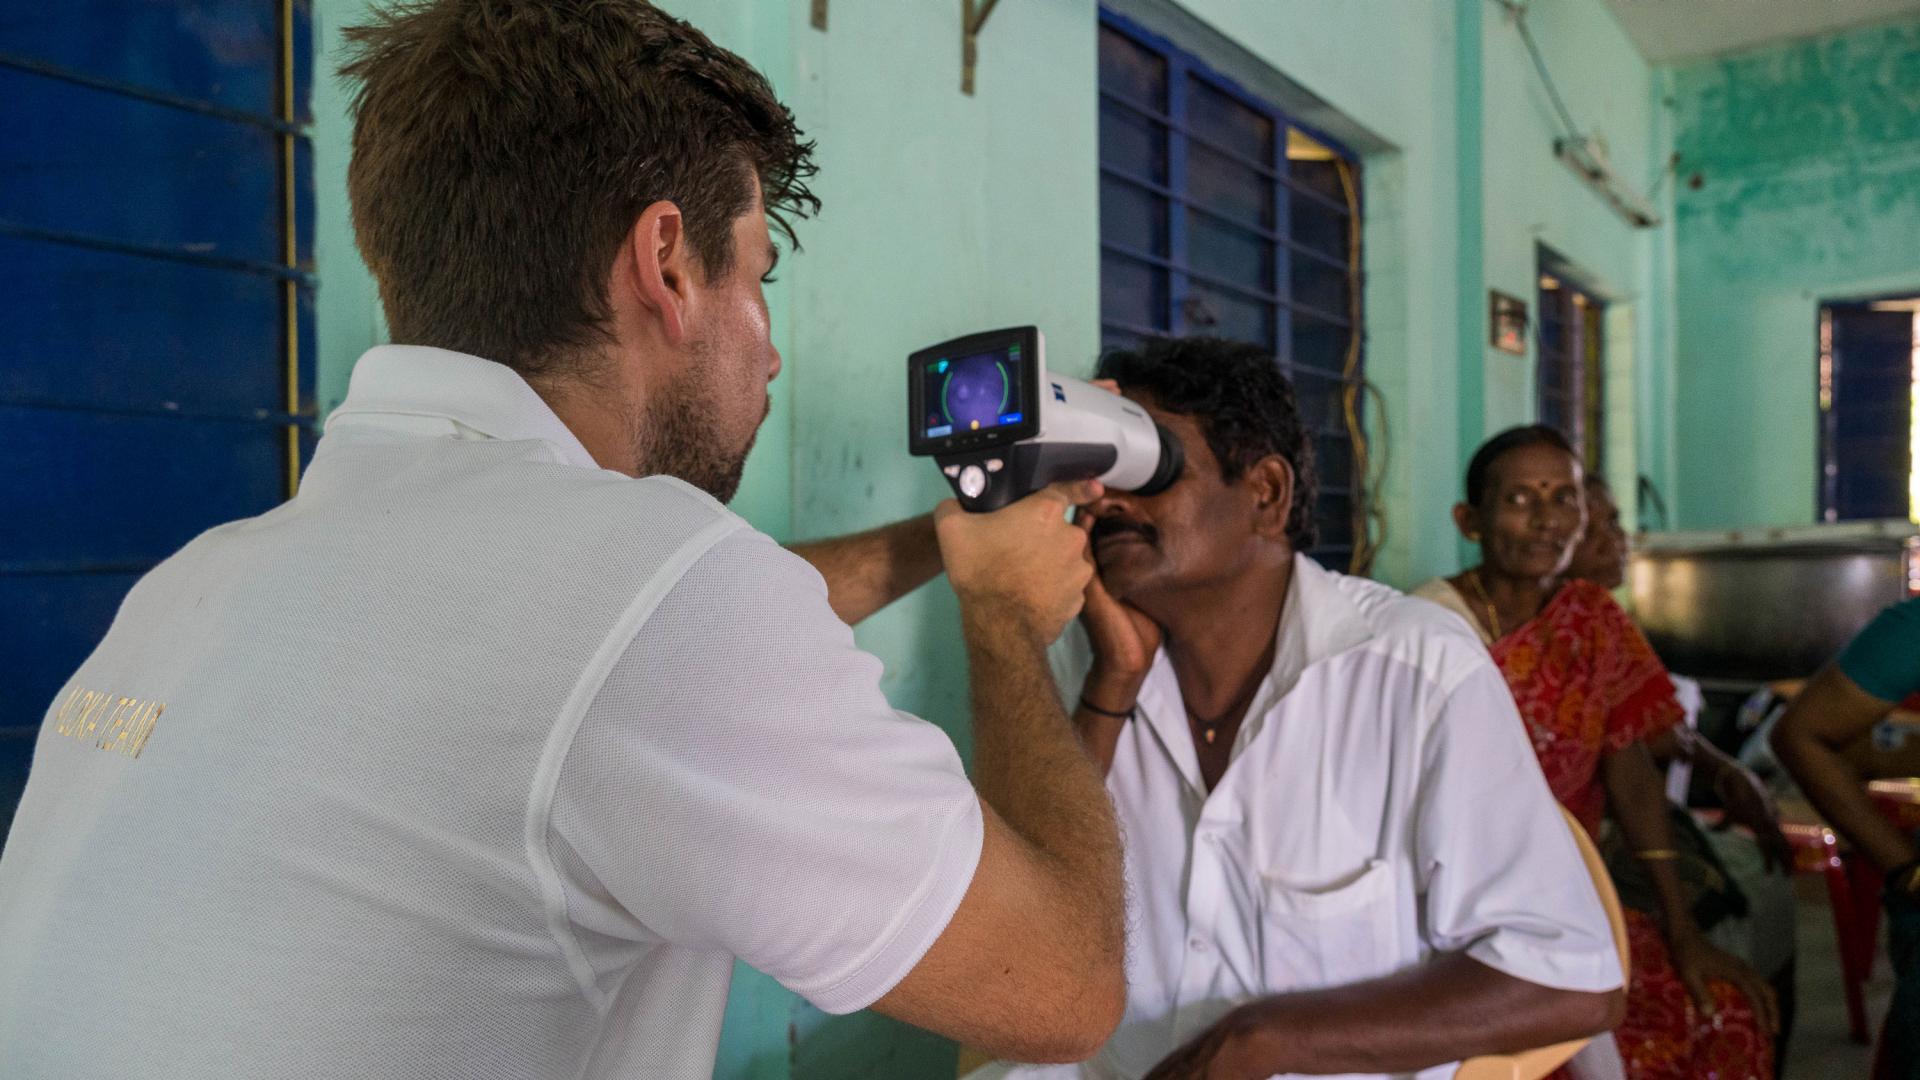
<point>1341,854</point>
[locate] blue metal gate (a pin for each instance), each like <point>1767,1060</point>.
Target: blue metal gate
<point>155,241</point>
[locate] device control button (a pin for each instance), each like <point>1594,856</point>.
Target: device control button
<point>972,481</point>
<point>952,471</point>
<point>995,464</point>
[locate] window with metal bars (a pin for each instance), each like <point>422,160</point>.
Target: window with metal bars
<point>1220,215</point>
<point>1569,386</point>
<point>1869,380</point>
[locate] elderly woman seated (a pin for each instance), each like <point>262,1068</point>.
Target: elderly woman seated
<point>1592,693</point>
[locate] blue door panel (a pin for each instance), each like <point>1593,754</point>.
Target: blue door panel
<point>53,623</point>
<point>16,756</point>
<point>78,160</point>
<point>144,322</point>
<point>222,52</point>
<point>49,624</point>
<point>108,330</point>
<point>91,490</point>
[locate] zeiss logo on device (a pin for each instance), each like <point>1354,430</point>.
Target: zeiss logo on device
<point>1059,394</point>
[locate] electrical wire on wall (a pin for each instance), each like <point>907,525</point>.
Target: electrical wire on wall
<point>1369,471</point>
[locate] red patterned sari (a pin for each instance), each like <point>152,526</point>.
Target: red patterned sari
<point>1588,684</point>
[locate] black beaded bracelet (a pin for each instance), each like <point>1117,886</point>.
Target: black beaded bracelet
<point>1098,711</point>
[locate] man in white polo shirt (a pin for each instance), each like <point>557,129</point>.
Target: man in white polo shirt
<point>488,753</point>
<point>1341,855</point>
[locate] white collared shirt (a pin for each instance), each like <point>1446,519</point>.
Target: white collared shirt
<point>1382,804</point>
<point>473,760</point>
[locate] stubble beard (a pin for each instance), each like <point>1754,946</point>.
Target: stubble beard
<point>676,434</point>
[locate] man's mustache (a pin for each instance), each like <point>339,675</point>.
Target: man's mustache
<point>1113,526</point>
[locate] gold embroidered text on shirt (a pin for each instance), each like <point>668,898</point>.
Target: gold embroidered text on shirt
<point>125,722</point>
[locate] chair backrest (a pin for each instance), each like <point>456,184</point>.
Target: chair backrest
<point>1536,1063</point>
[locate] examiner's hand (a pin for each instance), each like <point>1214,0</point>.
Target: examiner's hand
<point>1026,561</point>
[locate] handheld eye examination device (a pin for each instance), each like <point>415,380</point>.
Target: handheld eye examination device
<point>1001,426</point>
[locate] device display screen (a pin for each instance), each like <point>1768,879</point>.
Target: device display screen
<point>971,393</point>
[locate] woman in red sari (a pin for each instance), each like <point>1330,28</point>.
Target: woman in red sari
<point>1592,692</point>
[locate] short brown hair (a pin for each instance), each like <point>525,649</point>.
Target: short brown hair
<point>502,150</point>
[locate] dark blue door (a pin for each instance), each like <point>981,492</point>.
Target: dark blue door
<point>155,236</point>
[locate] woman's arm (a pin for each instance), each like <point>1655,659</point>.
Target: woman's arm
<point>1638,803</point>
<point>1830,713</point>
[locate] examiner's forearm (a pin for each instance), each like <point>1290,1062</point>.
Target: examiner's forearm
<point>1449,1009</point>
<point>1029,766</point>
<point>867,571</point>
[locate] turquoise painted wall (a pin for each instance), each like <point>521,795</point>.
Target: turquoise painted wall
<point>1807,160</point>
<point>945,213</point>
<point>1461,189</point>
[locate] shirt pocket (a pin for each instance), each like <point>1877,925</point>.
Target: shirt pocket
<point>1327,936</point>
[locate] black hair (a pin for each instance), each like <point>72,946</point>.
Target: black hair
<point>1245,407</point>
<point>1480,469</point>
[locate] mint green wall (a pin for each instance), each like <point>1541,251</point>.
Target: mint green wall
<point>945,213</point>
<point>1808,166</point>
<point>1461,188</point>
<point>1531,199</point>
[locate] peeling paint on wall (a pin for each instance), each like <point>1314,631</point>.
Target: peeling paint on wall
<point>1799,181</point>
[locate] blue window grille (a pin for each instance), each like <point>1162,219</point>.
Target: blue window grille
<point>156,235</point>
<point>1868,371</point>
<point>1569,359</point>
<point>1221,215</point>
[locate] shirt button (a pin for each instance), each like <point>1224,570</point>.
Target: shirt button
<point>1197,944</point>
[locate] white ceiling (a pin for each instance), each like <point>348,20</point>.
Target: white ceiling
<point>1669,30</point>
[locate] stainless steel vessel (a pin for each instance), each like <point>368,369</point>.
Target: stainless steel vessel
<point>1756,605</point>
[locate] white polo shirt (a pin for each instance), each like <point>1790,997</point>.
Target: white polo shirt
<point>1382,805</point>
<point>473,760</point>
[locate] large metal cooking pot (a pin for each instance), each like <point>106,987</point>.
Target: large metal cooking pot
<point>1751,606</point>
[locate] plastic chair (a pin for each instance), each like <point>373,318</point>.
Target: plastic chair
<point>1899,802</point>
<point>1817,851</point>
<point>1533,1064</point>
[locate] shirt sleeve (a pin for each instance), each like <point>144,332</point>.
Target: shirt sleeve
<point>1884,659</point>
<point>740,783</point>
<point>1640,700</point>
<point>1501,877</point>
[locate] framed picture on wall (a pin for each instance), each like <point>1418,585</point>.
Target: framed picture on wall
<point>1507,322</point>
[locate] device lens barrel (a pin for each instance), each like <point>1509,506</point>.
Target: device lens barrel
<point>1173,461</point>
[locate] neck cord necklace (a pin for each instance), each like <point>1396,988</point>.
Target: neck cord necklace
<point>1210,729</point>
<point>1493,617</point>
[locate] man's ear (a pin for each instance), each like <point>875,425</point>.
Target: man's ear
<point>663,267</point>
<point>1271,480</point>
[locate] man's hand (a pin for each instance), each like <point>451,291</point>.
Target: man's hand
<point>1207,1056</point>
<point>1124,642</point>
<point>1448,1009</point>
<point>1699,963</point>
<point>1025,562</point>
